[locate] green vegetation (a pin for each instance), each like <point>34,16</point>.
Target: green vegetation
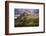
<point>26,20</point>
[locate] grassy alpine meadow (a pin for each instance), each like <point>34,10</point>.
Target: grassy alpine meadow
<point>26,17</point>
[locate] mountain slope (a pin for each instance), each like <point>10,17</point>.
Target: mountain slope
<point>26,19</point>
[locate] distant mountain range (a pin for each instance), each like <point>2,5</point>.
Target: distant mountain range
<point>29,11</point>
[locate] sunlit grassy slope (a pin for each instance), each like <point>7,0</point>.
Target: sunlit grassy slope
<point>26,20</point>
